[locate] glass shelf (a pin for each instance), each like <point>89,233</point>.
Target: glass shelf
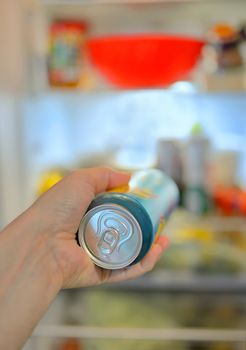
<point>120,2</point>
<point>169,282</point>
<point>177,334</point>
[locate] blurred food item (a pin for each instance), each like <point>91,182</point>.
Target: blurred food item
<point>220,258</point>
<point>225,199</point>
<point>150,60</point>
<point>223,32</point>
<point>223,67</point>
<point>161,310</point>
<point>234,238</point>
<point>125,344</point>
<point>48,179</point>
<point>211,346</point>
<point>71,344</point>
<point>241,202</point>
<point>169,160</point>
<point>196,154</point>
<point>214,258</point>
<point>194,234</point>
<point>130,310</point>
<point>65,55</point>
<point>181,257</point>
<point>206,244</point>
<point>222,314</point>
<point>225,40</point>
<point>230,200</point>
<point>126,310</point>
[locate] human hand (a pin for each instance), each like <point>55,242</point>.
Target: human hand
<point>39,254</point>
<point>57,217</point>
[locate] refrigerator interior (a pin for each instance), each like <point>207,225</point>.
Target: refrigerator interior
<point>121,128</point>
<point>42,129</point>
<point>73,130</point>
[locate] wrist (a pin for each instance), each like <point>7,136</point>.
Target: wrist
<point>39,246</point>
<point>29,251</point>
<point>29,276</point>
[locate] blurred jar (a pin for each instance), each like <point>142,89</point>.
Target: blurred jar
<point>169,160</point>
<point>225,165</point>
<point>66,53</point>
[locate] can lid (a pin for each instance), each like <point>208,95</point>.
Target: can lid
<point>111,236</point>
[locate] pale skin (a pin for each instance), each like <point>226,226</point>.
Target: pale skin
<point>39,254</point>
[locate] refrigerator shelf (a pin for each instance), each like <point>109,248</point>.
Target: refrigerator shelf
<point>176,334</point>
<point>184,283</point>
<point>115,2</point>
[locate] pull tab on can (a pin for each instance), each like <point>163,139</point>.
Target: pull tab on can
<point>108,241</point>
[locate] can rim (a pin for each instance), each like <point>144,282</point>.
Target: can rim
<point>82,242</point>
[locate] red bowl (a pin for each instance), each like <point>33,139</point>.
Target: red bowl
<point>144,60</point>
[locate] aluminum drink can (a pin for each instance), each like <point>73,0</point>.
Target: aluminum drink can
<point>121,225</point>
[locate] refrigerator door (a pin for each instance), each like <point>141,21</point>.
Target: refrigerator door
<point>10,159</point>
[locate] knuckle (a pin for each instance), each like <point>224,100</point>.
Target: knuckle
<point>78,173</point>
<point>105,169</point>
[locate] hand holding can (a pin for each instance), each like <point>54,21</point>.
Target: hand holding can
<point>121,225</point>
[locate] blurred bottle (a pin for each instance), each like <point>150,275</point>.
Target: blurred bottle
<point>195,160</point>
<point>169,160</point>
<point>65,55</point>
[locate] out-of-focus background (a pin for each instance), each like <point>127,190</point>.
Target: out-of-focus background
<point>135,84</point>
